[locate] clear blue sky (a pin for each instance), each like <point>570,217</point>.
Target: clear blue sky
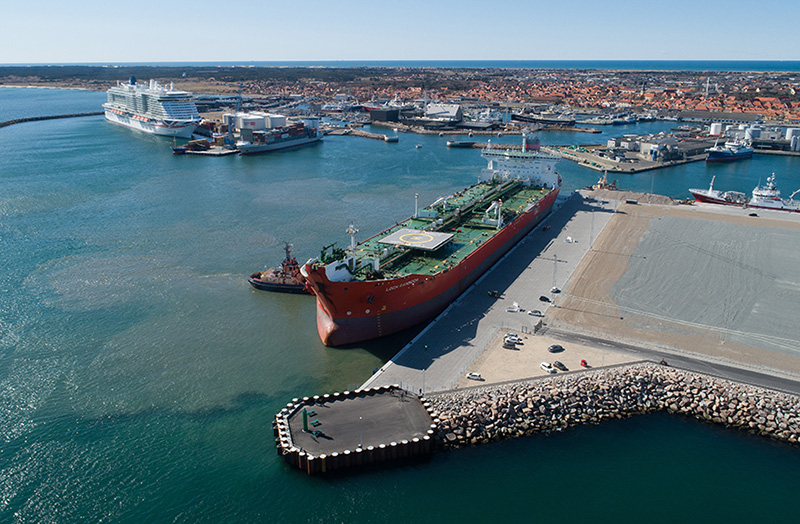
<point>48,31</point>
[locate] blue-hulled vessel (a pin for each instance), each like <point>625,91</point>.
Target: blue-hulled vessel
<point>729,152</point>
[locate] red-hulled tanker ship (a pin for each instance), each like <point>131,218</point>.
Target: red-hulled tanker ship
<point>410,272</point>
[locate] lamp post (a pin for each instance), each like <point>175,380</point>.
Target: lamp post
<point>361,442</point>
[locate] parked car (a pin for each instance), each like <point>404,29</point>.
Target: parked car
<point>559,365</point>
<point>513,339</point>
<point>535,313</point>
<point>474,376</point>
<point>584,363</point>
<point>555,348</point>
<point>544,299</point>
<point>555,290</point>
<point>547,367</point>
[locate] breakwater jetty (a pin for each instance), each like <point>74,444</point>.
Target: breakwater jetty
<point>354,131</point>
<point>13,121</point>
<point>484,145</point>
<point>573,129</point>
<point>487,413</point>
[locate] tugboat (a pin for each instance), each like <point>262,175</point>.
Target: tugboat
<point>285,279</point>
<point>603,183</point>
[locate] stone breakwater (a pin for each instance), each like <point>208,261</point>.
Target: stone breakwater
<point>483,414</point>
<point>7,123</point>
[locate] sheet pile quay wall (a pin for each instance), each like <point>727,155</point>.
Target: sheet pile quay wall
<point>483,414</point>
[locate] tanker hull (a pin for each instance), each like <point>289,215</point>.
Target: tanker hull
<point>354,311</point>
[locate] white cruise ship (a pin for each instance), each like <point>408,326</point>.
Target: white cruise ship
<point>152,108</point>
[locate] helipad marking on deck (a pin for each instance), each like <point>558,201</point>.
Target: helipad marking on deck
<point>417,239</point>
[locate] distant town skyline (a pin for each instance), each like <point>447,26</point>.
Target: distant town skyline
<point>150,31</point>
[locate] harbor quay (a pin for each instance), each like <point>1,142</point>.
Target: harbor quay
<point>691,345</point>
<point>632,154</point>
<point>716,285</point>
<point>443,352</point>
<point>599,159</point>
<point>716,373</point>
<point>638,279</point>
<point>507,129</point>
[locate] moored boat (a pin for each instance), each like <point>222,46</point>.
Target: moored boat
<point>342,104</point>
<point>769,197</point>
<point>763,197</point>
<point>411,271</point>
<point>303,131</point>
<point>285,278</point>
<point>152,108</point>
<point>201,144</point>
<point>714,196</point>
<point>730,151</point>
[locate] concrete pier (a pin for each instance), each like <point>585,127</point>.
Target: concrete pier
<point>705,286</point>
<point>355,428</point>
<point>585,157</point>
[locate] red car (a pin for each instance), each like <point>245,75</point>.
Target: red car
<point>583,363</point>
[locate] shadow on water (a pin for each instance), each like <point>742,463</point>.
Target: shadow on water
<point>387,347</point>
<point>397,466</point>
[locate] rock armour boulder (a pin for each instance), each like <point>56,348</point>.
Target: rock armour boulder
<point>488,413</point>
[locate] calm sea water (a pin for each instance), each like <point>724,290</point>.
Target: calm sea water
<point>139,373</point>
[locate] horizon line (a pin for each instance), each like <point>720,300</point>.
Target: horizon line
<point>410,60</point>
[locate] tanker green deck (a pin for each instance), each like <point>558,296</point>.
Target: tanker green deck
<point>462,216</point>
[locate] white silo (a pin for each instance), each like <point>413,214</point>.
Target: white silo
<point>249,121</point>
<point>752,133</point>
<point>792,132</point>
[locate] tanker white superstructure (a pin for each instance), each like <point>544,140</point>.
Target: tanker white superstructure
<point>152,108</point>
